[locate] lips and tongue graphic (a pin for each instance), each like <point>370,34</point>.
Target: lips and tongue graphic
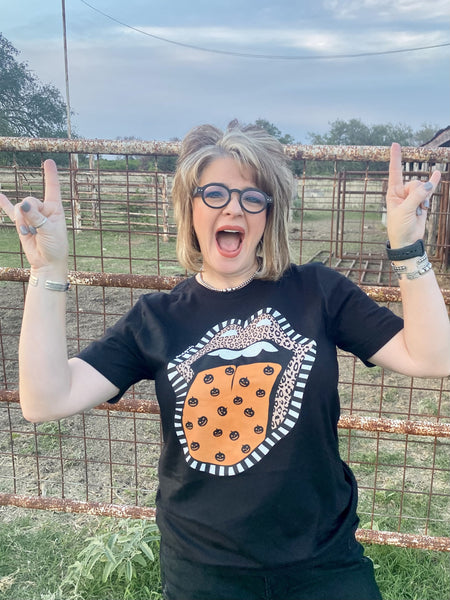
<point>239,391</point>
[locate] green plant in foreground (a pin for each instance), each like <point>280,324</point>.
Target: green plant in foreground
<point>37,547</point>
<point>410,574</point>
<point>114,556</point>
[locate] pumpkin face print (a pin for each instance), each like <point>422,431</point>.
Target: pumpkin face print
<point>219,412</point>
<point>238,391</point>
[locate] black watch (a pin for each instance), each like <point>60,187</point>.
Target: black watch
<point>416,249</point>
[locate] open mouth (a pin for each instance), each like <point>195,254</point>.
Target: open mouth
<point>239,391</point>
<point>229,241</point>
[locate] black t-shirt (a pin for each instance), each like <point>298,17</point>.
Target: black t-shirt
<point>250,473</point>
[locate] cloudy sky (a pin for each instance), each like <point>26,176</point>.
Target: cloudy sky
<point>286,61</point>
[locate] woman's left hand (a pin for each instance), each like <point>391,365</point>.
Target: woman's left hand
<point>407,203</point>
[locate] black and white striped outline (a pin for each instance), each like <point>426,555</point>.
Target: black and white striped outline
<point>180,387</point>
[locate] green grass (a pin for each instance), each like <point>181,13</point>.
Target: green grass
<point>112,252</point>
<point>46,556</point>
<point>320,214</point>
<point>407,574</point>
<point>402,472</point>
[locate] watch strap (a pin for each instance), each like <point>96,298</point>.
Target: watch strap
<point>411,251</point>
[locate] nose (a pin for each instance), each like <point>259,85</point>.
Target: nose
<point>234,206</point>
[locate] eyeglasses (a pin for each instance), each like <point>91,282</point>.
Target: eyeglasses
<point>217,195</point>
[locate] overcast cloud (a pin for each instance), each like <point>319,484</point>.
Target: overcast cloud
<point>124,82</point>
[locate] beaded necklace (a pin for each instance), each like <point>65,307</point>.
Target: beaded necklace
<point>228,289</point>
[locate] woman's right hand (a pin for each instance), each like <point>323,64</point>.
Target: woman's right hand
<point>41,225</point>
<point>50,385</point>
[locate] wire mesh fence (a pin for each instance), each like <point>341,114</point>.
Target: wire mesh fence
<point>394,430</point>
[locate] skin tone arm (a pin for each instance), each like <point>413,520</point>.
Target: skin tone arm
<point>50,385</point>
<point>422,348</point>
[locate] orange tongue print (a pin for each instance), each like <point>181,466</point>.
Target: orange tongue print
<point>239,391</point>
<point>226,413</point>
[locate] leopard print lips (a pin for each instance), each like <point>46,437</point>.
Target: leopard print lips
<point>239,391</point>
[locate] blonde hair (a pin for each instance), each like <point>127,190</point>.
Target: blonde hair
<point>250,147</point>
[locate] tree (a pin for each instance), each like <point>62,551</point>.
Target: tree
<point>285,138</point>
<point>27,106</point>
<point>355,133</point>
<point>425,133</point>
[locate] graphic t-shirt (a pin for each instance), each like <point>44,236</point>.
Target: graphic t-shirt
<point>250,473</point>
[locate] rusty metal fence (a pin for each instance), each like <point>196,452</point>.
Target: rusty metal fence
<point>394,430</point>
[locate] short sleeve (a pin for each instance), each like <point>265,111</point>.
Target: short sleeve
<point>118,355</point>
<point>357,323</point>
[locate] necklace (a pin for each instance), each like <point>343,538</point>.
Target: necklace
<point>228,289</point>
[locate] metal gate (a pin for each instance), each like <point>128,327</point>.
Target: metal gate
<point>394,430</point>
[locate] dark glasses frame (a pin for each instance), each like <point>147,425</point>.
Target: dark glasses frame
<point>200,191</point>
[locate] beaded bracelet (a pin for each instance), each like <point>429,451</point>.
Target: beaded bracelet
<point>423,266</point>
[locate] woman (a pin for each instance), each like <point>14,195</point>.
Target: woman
<point>254,501</point>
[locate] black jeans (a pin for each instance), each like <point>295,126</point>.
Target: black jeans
<point>184,580</point>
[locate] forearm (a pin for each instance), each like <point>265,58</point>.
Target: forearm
<point>44,374</point>
<point>427,326</point>
<point>422,348</point>
<point>51,386</point>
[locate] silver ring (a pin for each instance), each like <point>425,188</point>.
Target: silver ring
<point>43,222</point>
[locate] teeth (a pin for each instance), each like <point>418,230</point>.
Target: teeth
<point>230,230</point>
